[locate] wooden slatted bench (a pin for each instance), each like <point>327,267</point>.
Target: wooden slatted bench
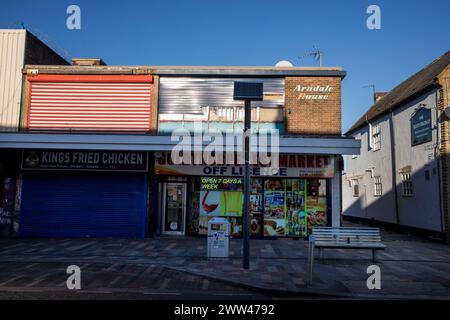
<point>342,238</point>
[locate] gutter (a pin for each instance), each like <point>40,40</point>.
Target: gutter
<point>190,71</point>
<point>394,106</point>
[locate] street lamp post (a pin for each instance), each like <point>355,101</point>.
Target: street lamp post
<point>247,186</point>
<point>247,91</point>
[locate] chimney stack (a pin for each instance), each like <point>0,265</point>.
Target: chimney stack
<point>378,95</point>
<point>88,62</point>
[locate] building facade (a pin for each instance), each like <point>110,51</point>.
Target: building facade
<point>93,155</point>
<point>17,48</point>
<point>398,178</point>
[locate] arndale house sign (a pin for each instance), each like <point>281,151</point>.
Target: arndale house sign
<point>313,92</point>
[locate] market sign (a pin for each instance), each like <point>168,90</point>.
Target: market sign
<point>290,165</point>
<point>421,126</point>
<point>84,160</point>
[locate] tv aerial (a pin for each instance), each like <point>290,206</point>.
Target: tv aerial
<point>373,90</point>
<point>317,54</point>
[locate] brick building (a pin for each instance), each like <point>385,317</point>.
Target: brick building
<point>443,79</point>
<point>304,96</point>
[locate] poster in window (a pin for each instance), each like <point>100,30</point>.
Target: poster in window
<point>295,214</point>
<point>316,203</point>
<point>221,197</point>
<point>274,202</point>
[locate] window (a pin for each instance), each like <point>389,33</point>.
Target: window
<point>407,188</point>
<point>355,187</point>
<point>378,189</point>
<point>376,137</point>
<point>218,113</point>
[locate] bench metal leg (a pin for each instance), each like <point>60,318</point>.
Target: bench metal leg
<point>321,253</point>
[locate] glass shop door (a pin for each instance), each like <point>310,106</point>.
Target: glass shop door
<point>174,211</point>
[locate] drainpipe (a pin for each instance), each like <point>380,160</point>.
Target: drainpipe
<point>394,164</point>
<point>437,155</point>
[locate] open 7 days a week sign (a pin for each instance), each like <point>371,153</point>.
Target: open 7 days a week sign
<point>304,166</point>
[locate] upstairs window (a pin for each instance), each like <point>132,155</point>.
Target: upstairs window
<point>376,137</point>
<point>378,189</point>
<point>355,186</point>
<point>407,187</point>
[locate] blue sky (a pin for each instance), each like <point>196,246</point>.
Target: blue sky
<point>250,32</point>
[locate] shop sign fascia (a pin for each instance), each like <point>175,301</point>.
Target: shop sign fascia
<point>84,160</point>
<point>291,166</point>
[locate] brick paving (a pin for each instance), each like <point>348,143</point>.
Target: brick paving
<point>410,267</point>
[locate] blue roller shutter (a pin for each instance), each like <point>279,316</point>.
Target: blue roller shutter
<point>76,204</point>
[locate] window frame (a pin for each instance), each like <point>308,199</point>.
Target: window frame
<point>376,137</point>
<point>378,187</point>
<point>355,187</point>
<point>407,185</point>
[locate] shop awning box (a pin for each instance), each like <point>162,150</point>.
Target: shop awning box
<point>133,142</point>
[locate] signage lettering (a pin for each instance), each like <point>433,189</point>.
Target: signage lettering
<point>313,92</point>
<point>312,166</point>
<point>421,127</point>
<point>84,160</point>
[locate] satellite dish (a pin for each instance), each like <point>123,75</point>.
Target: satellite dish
<point>284,63</point>
<point>447,112</point>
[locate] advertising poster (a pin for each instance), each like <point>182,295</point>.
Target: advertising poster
<point>274,213</point>
<point>221,203</point>
<point>7,195</point>
<point>293,206</point>
<point>221,197</point>
<point>316,204</point>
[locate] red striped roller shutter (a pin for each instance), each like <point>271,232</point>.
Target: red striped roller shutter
<point>90,102</point>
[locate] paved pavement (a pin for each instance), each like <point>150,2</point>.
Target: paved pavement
<point>47,280</point>
<point>177,268</point>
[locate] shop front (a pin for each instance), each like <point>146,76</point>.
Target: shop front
<point>83,193</point>
<point>287,204</point>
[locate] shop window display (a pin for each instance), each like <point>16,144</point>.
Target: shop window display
<point>256,207</point>
<point>293,206</point>
<point>278,207</point>
<point>316,203</point>
<point>216,197</point>
<point>274,192</point>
